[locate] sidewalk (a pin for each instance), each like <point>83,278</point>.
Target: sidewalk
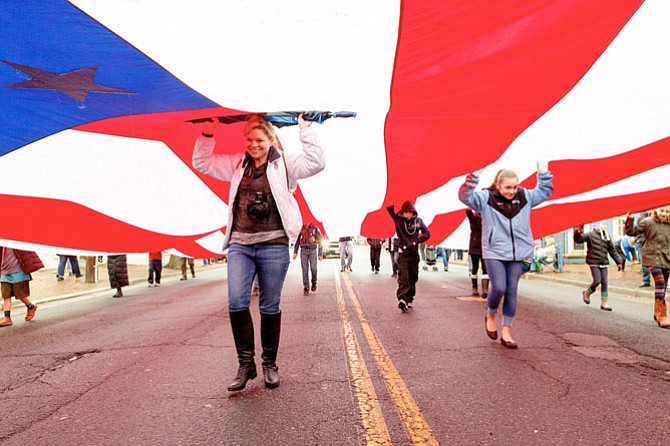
<point>45,288</point>
<point>627,282</point>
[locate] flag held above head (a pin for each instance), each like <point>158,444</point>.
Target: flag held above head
<point>97,101</point>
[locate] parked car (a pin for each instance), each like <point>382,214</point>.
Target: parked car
<point>331,249</point>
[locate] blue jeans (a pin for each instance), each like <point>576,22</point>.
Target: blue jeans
<point>74,263</point>
<point>308,264</point>
<point>270,262</point>
<point>444,253</point>
<point>504,279</point>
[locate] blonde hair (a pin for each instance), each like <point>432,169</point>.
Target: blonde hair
<point>257,122</point>
<point>500,175</point>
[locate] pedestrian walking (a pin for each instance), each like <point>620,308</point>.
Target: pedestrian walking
<point>16,266</point>
<point>598,246</point>
<point>546,255</point>
<point>117,270</point>
<point>309,242</point>
<point>639,243</point>
<point>263,217</point>
<point>155,268</point>
<point>392,248</point>
<point>444,254</point>
<point>63,259</point>
<point>619,249</point>
<point>376,245</point>
<point>628,246</point>
<point>191,265</point>
<point>507,239</point>
<point>655,255</point>
<point>346,253</point>
<point>411,231</point>
<point>475,253</point>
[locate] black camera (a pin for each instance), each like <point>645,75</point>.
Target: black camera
<point>259,207</point>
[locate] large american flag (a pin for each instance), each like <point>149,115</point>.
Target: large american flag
<point>95,99</point>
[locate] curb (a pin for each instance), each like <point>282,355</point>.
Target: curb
<point>102,289</point>
<point>643,293</point>
<point>580,284</point>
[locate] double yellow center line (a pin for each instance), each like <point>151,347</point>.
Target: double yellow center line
<point>374,426</point>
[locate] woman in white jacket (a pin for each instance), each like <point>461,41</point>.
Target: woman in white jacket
<point>263,216</point>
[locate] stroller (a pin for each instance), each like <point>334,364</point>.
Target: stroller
<point>430,258</point>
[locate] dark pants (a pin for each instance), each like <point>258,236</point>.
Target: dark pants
<point>375,253</point>
<point>155,270</point>
<point>599,278</point>
<point>191,265</point>
<point>408,275</point>
<point>646,275</point>
<point>475,260</point>
<point>308,263</point>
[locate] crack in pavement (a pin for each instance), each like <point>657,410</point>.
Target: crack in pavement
<point>602,347</point>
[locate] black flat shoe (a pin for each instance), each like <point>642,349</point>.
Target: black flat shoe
<point>491,334</point>
<point>508,344</point>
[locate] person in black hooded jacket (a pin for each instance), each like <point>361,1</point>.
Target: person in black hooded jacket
<point>411,231</point>
<point>598,245</point>
<point>117,268</point>
<point>475,253</point>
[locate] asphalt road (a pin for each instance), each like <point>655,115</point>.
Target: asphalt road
<point>152,368</point>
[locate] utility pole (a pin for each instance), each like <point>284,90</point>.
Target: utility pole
<point>91,269</point>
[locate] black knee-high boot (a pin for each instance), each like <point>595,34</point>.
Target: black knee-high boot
<point>270,330</point>
<point>243,333</point>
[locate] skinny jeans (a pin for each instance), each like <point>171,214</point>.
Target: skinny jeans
<point>269,262</point>
<point>308,264</point>
<point>504,280</point>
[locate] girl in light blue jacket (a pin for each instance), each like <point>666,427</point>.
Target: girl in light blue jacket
<point>507,239</point>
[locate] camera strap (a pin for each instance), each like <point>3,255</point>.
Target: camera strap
<point>288,186</point>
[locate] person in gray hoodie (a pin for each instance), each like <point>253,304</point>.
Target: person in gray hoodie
<point>507,239</point>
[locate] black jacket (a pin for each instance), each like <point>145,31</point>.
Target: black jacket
<point>117,268</point>
<point>410,232</point>
<point>475,232</point>
<point>597,247</point>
